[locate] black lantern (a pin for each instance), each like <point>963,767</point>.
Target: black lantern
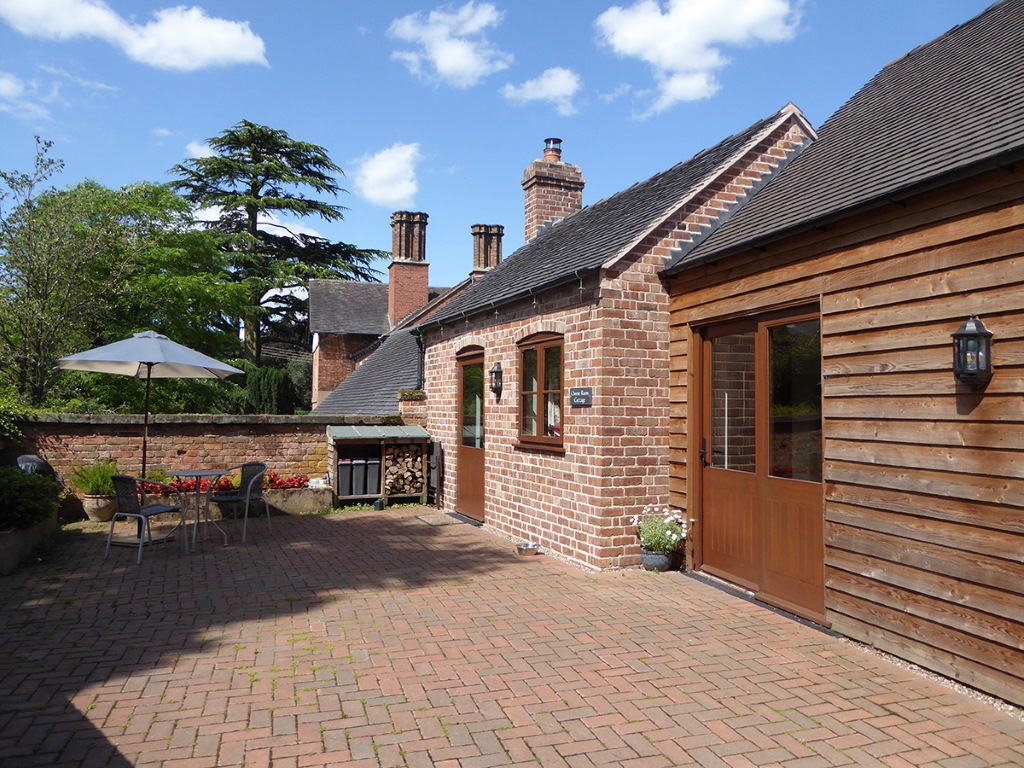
<point>972,353</point>
<point>495,373</point>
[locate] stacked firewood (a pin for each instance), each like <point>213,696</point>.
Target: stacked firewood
<point>403,470</point>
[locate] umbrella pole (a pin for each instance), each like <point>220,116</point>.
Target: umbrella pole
<point>145,419</point>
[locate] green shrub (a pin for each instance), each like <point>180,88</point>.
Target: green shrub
<point>269,390</point>
<point>94,479</point>
<point>9,416</point>
<point>26,499</point>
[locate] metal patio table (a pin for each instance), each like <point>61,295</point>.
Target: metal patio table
<point>212,475</point>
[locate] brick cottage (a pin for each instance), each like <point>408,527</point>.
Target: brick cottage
<point>579,309</point>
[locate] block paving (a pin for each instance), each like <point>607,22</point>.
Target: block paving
<point>375,639</point>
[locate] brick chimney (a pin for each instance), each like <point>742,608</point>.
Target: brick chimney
<point>553,189</point>
<point>407,274</point>
<point>486,247</point>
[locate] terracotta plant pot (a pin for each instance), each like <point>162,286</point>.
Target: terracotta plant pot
<point>99,509</point>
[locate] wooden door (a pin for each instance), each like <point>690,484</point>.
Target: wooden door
<point>762,498</point>
<point>731,538</point>
<point>469,499</point>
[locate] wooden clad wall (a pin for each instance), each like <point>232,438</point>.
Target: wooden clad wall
<point>923,479</point>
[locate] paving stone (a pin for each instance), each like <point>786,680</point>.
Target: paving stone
<point>371,639</point>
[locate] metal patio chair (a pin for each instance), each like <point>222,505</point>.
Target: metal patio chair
<point>127,491</point>
<point>249,492</point>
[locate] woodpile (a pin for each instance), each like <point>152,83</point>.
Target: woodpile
<point>403,470</point>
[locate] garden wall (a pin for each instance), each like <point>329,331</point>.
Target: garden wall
<point>289,445</point>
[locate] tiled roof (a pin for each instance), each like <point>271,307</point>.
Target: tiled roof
<point>373,387</point>
<point>393,365</point>
<point>372,432</point>
<point>349,306</point>
<point>948,105</point>
<point>585,240</point>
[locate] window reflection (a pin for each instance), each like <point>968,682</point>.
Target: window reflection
<point>732,402</point>
<point>540,389</point>
<point>473,405</point>
<point>795,408</point>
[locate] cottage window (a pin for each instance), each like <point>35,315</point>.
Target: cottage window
<point>540,391</point>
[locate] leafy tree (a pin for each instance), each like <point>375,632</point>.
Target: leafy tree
<point>256,174</point>
<point>64,256</point>
<point>86,266</point>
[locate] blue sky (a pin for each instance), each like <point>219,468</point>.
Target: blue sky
<point>434,107</point>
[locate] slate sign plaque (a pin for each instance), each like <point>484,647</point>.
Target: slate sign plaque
<point>581,397</point>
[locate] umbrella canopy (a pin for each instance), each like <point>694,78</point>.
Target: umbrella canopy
<point>148,355</point>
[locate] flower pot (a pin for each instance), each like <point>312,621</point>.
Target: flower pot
<point>98,508</point>
<point>655,561</point>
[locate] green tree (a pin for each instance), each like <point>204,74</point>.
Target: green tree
<point>65,257</point>
<point>88,265</point>
<point>256,174</point>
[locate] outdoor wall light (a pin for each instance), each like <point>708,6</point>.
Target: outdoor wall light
<point>495,374</point>
<point>972,353</point>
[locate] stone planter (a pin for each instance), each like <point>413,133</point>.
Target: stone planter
<point>17,546</point>
<point>298,501</point>
<point>282,501</point>
<point>99,509</point>
<point>655,561</point>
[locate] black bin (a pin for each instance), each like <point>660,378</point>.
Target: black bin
<point>344,477</point>
<point>358,477</point>
<point>373,476</point>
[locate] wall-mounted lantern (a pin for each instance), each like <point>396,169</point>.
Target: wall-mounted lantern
<point>495,376</point>
<point>972,353</point>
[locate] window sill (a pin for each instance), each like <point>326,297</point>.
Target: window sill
<point>540,448</point>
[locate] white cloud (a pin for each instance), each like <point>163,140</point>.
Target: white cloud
<point>388,178</point>
<point>198,149</point>
<point>23,99</point>
<point>162,133</point>
<point>683,43</point>
<point>557,85</point>
<point>92,85</point>
<point>11,87</point>
<point>178,38</point>
<point>617,93</point>
<point>266,221</point>
<point>451,44</point>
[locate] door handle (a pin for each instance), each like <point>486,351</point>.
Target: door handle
<point>703,451</point>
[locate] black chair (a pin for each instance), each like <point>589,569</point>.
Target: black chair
<point>127,491</point>
<point>249,491</point>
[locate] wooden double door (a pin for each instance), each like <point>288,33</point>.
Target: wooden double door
<point>761,458</point>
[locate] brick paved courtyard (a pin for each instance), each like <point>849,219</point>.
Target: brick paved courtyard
<point>376,639</point>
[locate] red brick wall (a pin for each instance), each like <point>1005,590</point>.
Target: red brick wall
<point>407,288</point>
<point>332,362</point>
<point>287,444</point>
<point>553,191</point>
<point>616,452</point>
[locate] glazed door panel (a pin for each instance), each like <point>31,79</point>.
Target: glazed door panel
<point>469,499</point>
<point>791,491</point>
<point>730,535</point>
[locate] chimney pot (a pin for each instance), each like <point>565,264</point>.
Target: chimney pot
<point>553,150</point>
<point>486,247</point>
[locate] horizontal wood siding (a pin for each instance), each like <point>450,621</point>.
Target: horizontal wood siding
<point>924,479</point>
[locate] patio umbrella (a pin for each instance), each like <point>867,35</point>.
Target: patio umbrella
<point>148,355</point>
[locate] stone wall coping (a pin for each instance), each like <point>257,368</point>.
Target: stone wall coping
<point>202,418</point>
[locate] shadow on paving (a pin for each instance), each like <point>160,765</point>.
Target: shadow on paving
<point>76,621</point>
